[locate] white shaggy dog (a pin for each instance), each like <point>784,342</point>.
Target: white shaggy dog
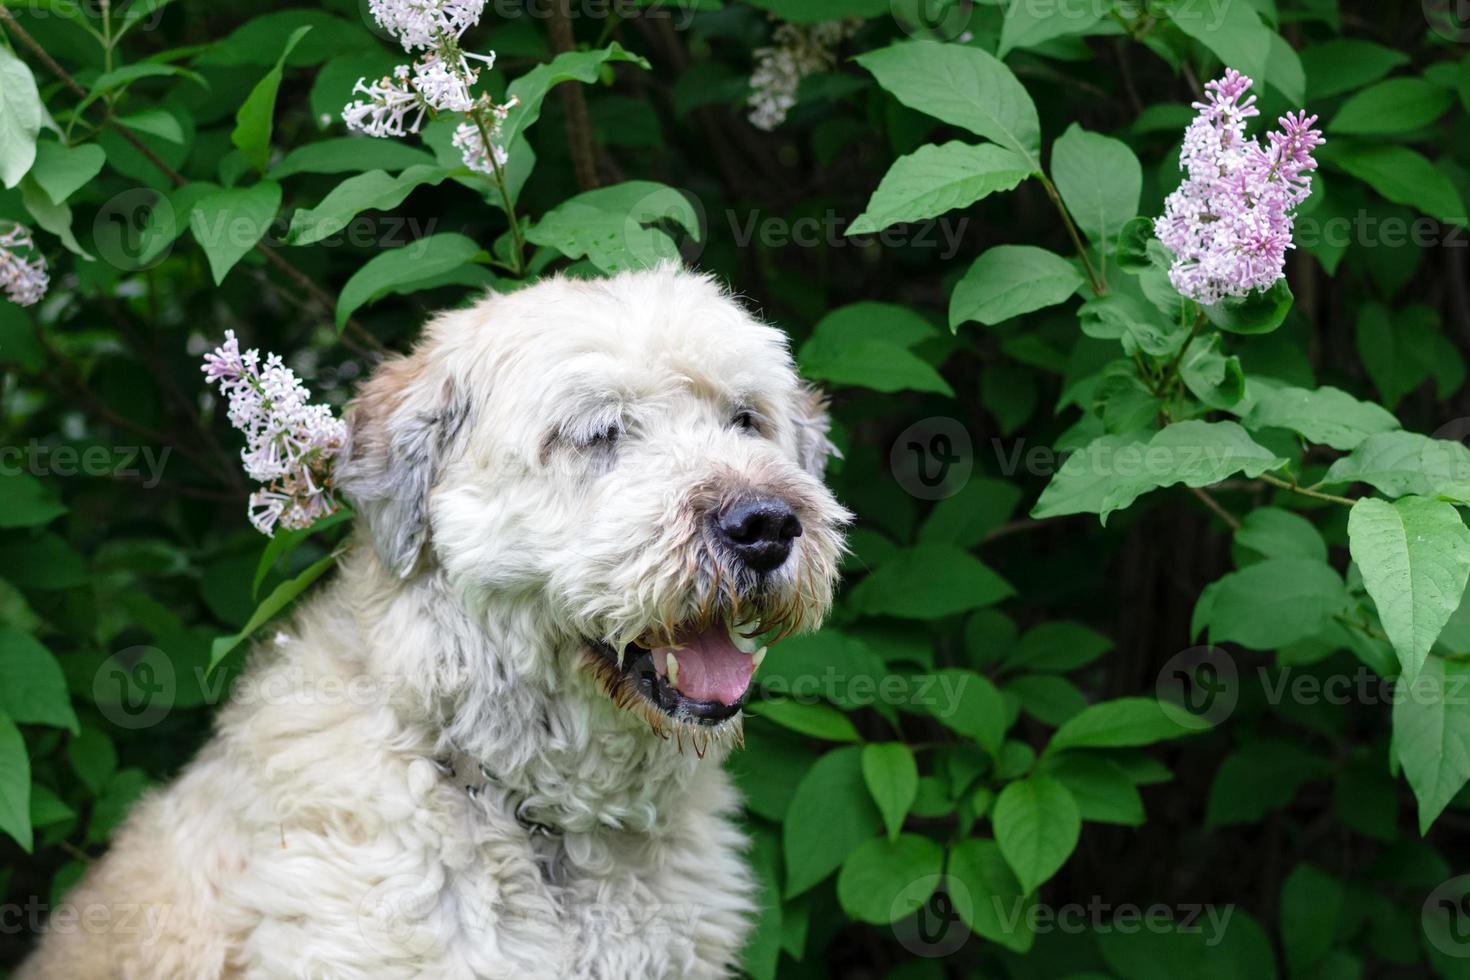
<point>493,747</point>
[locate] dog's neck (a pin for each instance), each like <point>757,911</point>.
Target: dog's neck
<point>496,686</point>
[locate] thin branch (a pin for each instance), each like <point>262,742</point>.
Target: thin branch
<point>1098,287</point>
<point>1216,507</point>
<point>579,125</point>
<point>1276,481</point>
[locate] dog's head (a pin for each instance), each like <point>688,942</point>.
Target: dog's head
<point>629,467</point>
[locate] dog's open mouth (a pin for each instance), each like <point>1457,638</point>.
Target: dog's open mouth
<point>701,677</point>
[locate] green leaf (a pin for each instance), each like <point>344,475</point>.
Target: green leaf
<point>35,690</point>
<point>1343,64</point>
<point>137,12</point>
<point>93,757</point>
<point>867,320</point>
<point>285,541</point>
<point>228,223</point>
<point>1134,254</point>
<point>1210,376</point>
<point>112,806</point>
<point>402,269</point>
<point>988,898</point>
<point>25,501</point>
<point>375,190</point>
<point>1400,175</point>
<point>966,517</point>
<point>1312,902</point>
<point>1037,826</point>
<point>1099,178</point>
<point>893,779</point>
<point>934,179</point>
<point>1397,105</point>
<point>885,880</point>
<point>1431,735</point>
<point>1122,723</point>
<point>875,364</point>
<point>1222,944</point>
<point>15,784</point>
<point>255,118</point>
<point>1233,31</point>
<point>817,720</point>
<point>1414,555</point>
<point>279,599</point>
<point>1327,415</point>
<point>1401,464</point>
<point>619,227</point>
<point>1009,280</point>
<point>1113,471</point>
<point>1102,791</point>
<point>1401,349</point>
<point>1274,603</point>
<point>1138,325</point>
<point>61,171</point>
<point>55,218</point>
<point>1275,533</point>
<point>1258,778</point>
<point>1027,25</point>
<point>349,154</point>
<point>528,91</point>
<point>969,703</point>
<point>1057,646</point>
<point>963,86</point>
<point>1049,699</point>
<point>156,122</point>
<point>49,562</point>
<point>48,809</point>
<point>21,115</point>
<point>831,813</point>
<point>1259,311</point>
<point>929,581</point>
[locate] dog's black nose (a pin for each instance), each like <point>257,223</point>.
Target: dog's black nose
<point>759,531</point>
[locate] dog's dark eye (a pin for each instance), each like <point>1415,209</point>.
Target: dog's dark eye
<point>606,437</point>
<point>746,421</point>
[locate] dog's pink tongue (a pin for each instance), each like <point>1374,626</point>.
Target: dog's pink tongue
<point>711,667</point>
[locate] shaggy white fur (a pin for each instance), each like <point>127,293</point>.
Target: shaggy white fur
<point>533,483</point>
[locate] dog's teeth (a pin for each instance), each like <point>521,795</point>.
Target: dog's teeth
<point>673,664</point>
<point>756,658</point>
<point>743,643</point>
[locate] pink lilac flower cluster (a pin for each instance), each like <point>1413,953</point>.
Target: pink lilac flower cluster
<point>439,81</point>
<point>290,444</point>
<point>24,280</point>
<point>1229,224</point>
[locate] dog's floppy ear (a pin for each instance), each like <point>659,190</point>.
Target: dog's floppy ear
<point>812,425</point>
<point>398,429</point>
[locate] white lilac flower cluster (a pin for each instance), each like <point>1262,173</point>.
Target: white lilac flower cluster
<point>290,444</point>
<point>24,279</point>
<point>440,80</point>
<point>798,50</point>
<point>1229,224</point>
